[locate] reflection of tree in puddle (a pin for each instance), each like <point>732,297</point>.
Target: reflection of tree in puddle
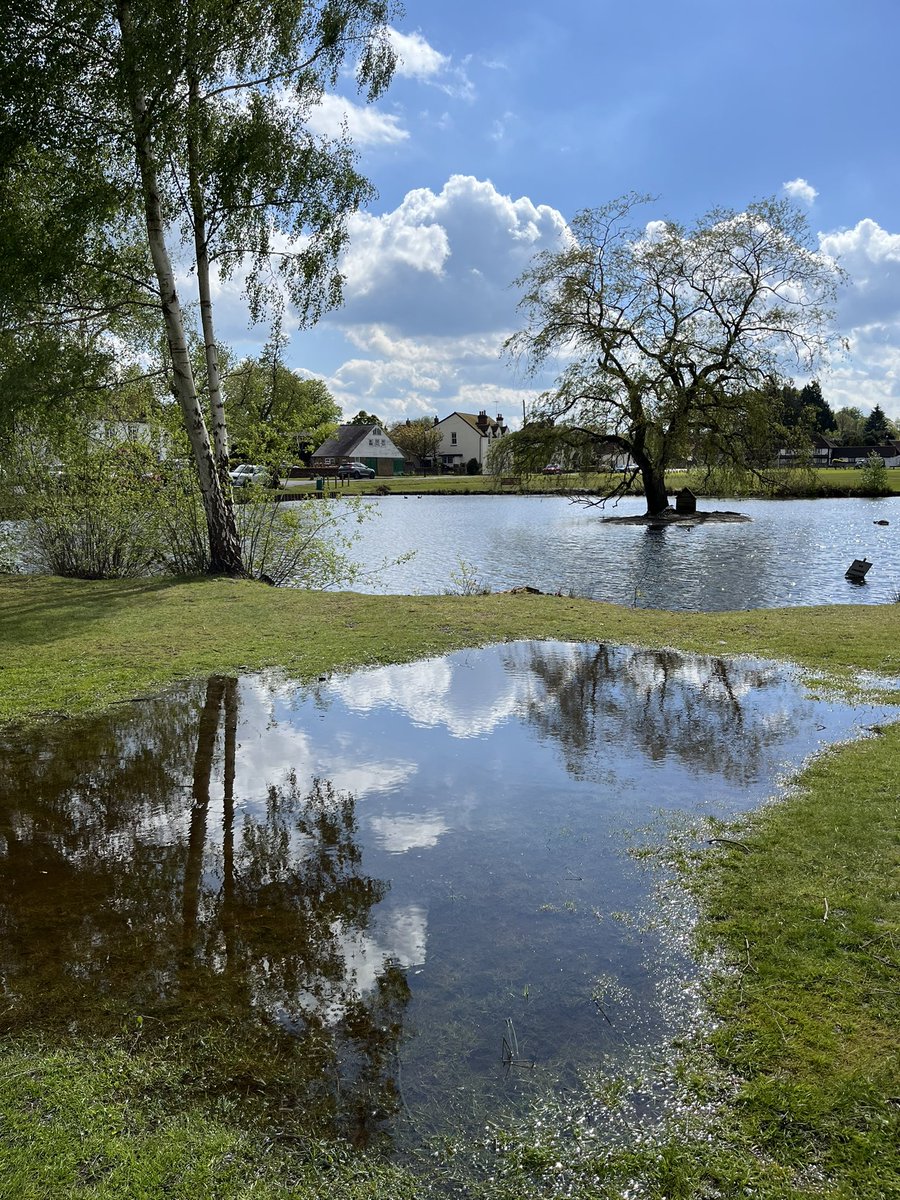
<point>128,890</point>
<point>597,700</point>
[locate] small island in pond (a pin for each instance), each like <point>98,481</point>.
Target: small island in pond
<point>669,516</point>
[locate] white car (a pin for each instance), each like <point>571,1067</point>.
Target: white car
<point>250,473</point>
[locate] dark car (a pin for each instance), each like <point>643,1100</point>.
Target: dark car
<point>552,469</point>
<point>355,470</point>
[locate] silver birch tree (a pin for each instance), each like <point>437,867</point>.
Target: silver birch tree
<point>199,111</point>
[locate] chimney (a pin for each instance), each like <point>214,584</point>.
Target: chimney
<point>436,421</point>
<point>482,420</point>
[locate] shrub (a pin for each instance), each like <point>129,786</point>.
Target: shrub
<point>106,512</point>
<point>91,515</point>
<point>873,477</point>
<point>304,543</point>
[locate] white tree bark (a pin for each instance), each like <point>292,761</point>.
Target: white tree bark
<point>201,250</point>
<point>224,545</point>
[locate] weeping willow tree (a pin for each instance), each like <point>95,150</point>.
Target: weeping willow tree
<point>670,334</point>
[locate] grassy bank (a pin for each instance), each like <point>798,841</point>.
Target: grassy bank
<point>801,1076</point>
<point>834,482</point>
<point>71,647</point>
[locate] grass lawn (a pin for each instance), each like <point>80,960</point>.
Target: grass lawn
<point>834,482</point>
<point>801,1077</point>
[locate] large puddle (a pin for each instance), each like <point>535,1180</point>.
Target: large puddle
<point>412,887</point>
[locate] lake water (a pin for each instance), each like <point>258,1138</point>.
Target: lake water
<point>791,552</point>
<point>398,900</point>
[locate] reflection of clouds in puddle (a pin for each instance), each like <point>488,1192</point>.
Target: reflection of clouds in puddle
<point>440,692</point>
<point>401,937</point>
<point>371,778</point>
<point>268,750</point>
<point>398,834</point>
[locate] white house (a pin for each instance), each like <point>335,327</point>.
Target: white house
<point>466,436</point>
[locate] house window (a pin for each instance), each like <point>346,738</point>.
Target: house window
<point>452,439</point>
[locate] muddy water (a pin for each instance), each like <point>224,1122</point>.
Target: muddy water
<point>402,898</point>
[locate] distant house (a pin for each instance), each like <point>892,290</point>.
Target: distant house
<point>466,436</point>
<point>819,453</point>
<point>367,444</point>
<point>113,432</point>
<point>889,452</point>
<point>827,453</point>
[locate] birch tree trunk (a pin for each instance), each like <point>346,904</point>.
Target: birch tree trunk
<point>201,250</point>
<point>224,545</point>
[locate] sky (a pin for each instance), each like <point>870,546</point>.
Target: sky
<point>504,120</point>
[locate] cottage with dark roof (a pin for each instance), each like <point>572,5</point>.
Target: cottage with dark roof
<point>367,444</point>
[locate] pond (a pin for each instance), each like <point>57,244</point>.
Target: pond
<point>791,552</point>
<point>412,895</point>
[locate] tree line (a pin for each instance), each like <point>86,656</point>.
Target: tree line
<point>142,142</point>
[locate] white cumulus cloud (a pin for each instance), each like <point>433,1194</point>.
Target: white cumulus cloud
<point>418,60</point>
<point>415,58</point>
<point>443,262</point>
<point>430,299</point>
<point>868,316</point>
<point>799,189</point>
<point>367,125</point>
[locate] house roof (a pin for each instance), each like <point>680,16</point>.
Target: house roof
<point>886,450</point>
<point>349,442</point>
<point>344,441</point>
<point>472,419</point>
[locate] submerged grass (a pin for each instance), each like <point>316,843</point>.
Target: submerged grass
<point>795,1093</point>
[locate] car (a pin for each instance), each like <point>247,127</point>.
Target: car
<point>355,470</point>
<point>552,469</point>
<point>251,473</point>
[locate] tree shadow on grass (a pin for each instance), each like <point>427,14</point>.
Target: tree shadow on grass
<point>46,608</point>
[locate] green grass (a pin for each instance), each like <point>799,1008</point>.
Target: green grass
<point>801,1075</point>
<point>97,1121</point>
<point>833,482</point>
<point>72,647</point>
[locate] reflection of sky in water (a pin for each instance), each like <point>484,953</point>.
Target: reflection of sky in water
<point>496,792</point>
<point>791,552</point>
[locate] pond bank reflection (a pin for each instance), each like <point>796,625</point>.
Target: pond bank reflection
<point>354,888</point>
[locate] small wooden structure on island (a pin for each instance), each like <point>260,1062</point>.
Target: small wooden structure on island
<point>685,502</point>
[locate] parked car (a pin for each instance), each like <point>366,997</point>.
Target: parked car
<point>252,473</point>
<point>552,469</point>
<point>355,470</point>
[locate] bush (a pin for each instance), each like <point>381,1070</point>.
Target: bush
<point>108,512</point>
<point>873,477</point>
<point>304,543</point>
<point>473,467</point>
<point>93,514</point>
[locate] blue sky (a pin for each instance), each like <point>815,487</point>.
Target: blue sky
<point>505,119</point>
